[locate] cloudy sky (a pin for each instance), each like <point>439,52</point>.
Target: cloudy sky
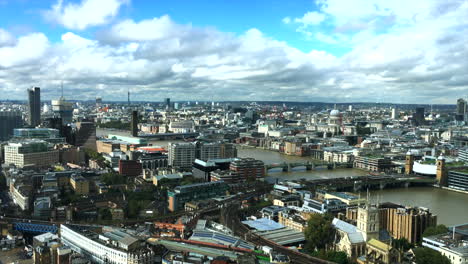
<point>325,50</point>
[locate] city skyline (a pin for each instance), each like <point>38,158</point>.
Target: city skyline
<point>318,51</point>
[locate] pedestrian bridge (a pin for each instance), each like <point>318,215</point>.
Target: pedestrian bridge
<point>309,165</point>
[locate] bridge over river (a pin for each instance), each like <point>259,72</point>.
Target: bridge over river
<point>309,165</point>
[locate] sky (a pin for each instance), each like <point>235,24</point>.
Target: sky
<point>395,51</point>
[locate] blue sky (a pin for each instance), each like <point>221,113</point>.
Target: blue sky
<point>316,50</point>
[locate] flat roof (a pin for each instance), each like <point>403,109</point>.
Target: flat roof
<point>263,224</point>
<point>283,236</point>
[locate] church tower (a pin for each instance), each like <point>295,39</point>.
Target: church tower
<point>368,220</point>
<point>409,163</point>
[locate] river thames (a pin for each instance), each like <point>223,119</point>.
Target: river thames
<point>450,207</point>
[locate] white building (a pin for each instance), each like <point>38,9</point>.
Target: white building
<point>181,154</point>
<point>114,246</point>
<point>35,153</point>
<point>453,245</point>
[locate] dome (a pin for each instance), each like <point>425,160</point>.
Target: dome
<point>334,112</point>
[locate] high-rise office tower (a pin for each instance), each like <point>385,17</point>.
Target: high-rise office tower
<point>461,106</point>
<point>9,120</point>
<point>462,109</point>
<point>98,101</point>
<point>168,103</point>
<point>394,113</point>
<point>85,135</point>
<point>418,116</point>
<point>63,109</point>
<point>34,98</point>
<point>134,124</point>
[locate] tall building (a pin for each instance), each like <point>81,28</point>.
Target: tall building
<point>409,163</point>
<point>181,155</point>
<point>248,169</point>
<point>9,120</point>
<point>34,98</point>
<point>394,113</point>
<point>368,221</point>
<point>34,153</point>
<point>406,222</point>
<point>63,109</point>
<point>418,116</point>
<point>98,101</point>
<point>134,123</point>
<point>168,103</point>
<point>85,135</point>
<point>461,106</point>
<point>208,151</point>
<point>441,172</point>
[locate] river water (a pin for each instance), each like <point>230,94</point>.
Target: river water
<point>450,207</point>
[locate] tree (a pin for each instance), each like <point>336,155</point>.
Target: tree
<point>3,182</point>
<point>339,257</point>
<point>435,230</point>
<point>402,244</point>
<point>113,178</point>
<point>105,214</point>
<point>425,255</point>
<point>319,232</point>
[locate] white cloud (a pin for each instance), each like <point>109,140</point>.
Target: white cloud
<point>28,49</point>
<point>86,14</point>
<point>409,63</point>
<point>6,38</point>
<point>324,38</point>
<point>310,18</point>
<point>286,20</point>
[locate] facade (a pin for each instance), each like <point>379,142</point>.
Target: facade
<point>462,108</point>
<point>291,219</point>
<point>79,184</point>
<point>34,103</point>
<point>131,168</point>
<point>203,169</point>
<point>208,151</point>
<point>134,124</point>
<point>458,179</point>
<point>21,195</point>
<point>409,161</point>
<point>42,207</point>
<point>463,154</point>
<point>193,192</point>
<point>399,221</point>
<point>9,120</point>
<point>85,135</point>
<point>378,252</point>
<point>349,239</point>
<point>114,246</point>
<point>324,206</point>
<point>35,153</point>
<point>418,116</point>
<point>181,155</point>
<point>248,168</point>
<point>451,244</point>
<point>63,109</point>
<point>51,135</point>
<point>441,171</point>
<point>370,163</point>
